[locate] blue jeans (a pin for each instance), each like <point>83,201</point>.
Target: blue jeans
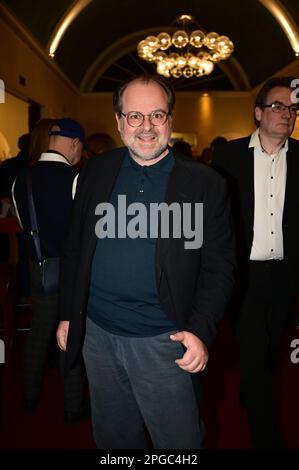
<point>134,381</point>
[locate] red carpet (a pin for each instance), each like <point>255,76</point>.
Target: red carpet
<point>224,418</point>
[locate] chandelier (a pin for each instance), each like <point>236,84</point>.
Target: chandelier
<point>189,54</point>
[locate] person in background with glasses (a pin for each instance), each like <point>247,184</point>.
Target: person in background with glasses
<point>148,306</point>
<point>263,173</point>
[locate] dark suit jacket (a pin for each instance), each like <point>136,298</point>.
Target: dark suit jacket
<point>235,161</point>
<point>196,283</point>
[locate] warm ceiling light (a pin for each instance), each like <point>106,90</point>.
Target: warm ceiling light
<point>60,30</point>
<point>285,20</point>
<point>189,53</point>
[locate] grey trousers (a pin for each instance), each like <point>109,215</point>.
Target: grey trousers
<point>135,381</point>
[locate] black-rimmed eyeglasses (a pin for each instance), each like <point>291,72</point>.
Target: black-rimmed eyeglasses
<point>136,119</point>
<point>280,108</point>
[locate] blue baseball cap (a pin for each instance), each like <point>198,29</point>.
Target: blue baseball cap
<point>67,127</point>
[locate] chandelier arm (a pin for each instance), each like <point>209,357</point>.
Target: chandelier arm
<point>133,58</point>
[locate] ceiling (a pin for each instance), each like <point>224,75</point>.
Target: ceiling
<point>98,49</point>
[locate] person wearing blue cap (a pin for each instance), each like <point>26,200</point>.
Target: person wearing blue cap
<point>67,127</point>
<point>52,181</point>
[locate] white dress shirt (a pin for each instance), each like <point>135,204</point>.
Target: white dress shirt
<point>270,173</point>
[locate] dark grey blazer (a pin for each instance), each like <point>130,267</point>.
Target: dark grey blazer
<point>235,161</point>
<point>197,283</point>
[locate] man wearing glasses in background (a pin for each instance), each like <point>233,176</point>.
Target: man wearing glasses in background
<point>152,305</point>
<point>263,174</point>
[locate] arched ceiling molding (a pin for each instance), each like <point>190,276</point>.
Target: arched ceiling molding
<point>233,70</point>
<point>127,44</point>
<point>70,15</point>
<point>25,35</point>
<point>283,17</point>
<point>277,10</point>
<point>290,70</point>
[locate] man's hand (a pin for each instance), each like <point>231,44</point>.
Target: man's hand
<point>61,334</point>
<point>196,357</point>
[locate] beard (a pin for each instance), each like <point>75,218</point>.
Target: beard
<point>135,152</point>
<point>138,148</point>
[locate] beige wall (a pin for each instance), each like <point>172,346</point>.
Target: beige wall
<point>219,113</point>
<point>22,56</point>
<point>295,134</point>
<point>209,115</point>
<point>95,112</point>
<point>13,123</point>
<point>45,85</point>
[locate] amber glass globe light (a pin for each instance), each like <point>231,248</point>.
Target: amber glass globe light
<point>185,53</point>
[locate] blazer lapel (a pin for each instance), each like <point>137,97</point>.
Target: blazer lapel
<point>102,191</point>
<point>288,186</point>
<point>176,192</point>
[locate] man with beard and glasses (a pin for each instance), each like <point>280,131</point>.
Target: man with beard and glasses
<point>146,307</point>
